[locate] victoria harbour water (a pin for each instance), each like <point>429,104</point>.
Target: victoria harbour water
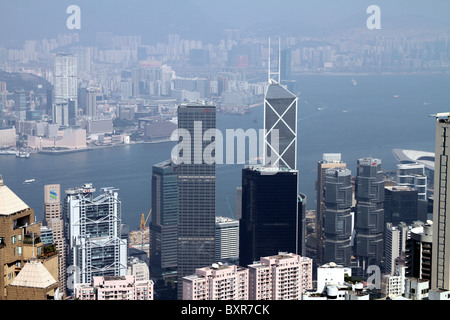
<point>371,118</point>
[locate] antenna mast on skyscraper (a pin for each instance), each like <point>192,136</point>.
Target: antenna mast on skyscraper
<point>271,74</point>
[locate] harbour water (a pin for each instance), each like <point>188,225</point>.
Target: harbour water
<point>366,117</point>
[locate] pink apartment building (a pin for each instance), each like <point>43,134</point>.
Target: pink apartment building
<point>217,282</point>
<point>115,288</point>
<point>285,276</point>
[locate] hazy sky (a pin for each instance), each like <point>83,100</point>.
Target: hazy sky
<point>205,19</point>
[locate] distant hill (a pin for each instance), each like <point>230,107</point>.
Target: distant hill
<point>17,81</point>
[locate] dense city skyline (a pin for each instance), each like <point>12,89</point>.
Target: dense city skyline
<point>111,87</point>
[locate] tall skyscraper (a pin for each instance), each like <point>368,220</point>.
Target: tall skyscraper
<point>164,221</point>
<point>440,273</point>
<point>329,160</point>
<point>302,224</point>
<point>337,229</point>
<point>196,190</point>
<point>91,102</point>
<point>238,213</point>
<point>393,250</point>
<point>420,249</point>
<point>20,104</point>
<point>400,204</point>
<point>95,246</point>
<point>60,114</point>
<point>227,239</point>
<point>53,218</point>
<point>369,219</point>
<point>65,85</point>
<point>280,113</point>
<point>3,95</point>
<point>280,122</point>
<point>269,222</point>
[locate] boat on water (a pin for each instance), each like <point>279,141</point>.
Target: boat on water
<point>22,154</point>
<point>354,82</point>
<point>29,181</point>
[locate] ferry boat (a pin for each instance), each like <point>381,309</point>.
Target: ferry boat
<point>29,181</point>
<point>22,154</point>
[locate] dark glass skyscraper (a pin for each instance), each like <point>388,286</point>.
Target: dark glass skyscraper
<point>337,196</point>
<point>329,160</point>
<point>400,204</point>
<point>196,190</point>
<point>369,220</point>
<point>269,222</point>
<point>164,221</point>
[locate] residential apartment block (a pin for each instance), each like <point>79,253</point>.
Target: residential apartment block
<point>217,282</point>
<point>115,288</point>
<point>280,277</point>
<point>285,276</point>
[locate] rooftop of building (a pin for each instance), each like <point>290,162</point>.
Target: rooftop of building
<point>282,255</point>
<point>10,203</point>
<point>220,219</point>
<point>331,265</point>
<point>399,188</point>
<point>278,91</point>
<point>338,171</point>
<point>271,169</point>
<point>86,188</point>
<point>34,275</point>
<point>164,164</point>
<point>200,104</point>
<point>369,161</point>
<point>415,156</point>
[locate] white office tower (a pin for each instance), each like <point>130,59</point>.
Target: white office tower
<point>94,243</point>
<point>440,265</point>
<point>413,175</point>
<point>227,238</point>
<point>65,81</point>
<point>393,246</point>
<point>60,114</point>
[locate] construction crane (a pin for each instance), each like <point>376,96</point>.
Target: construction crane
<point>229,207</point>
<point>144,220</point>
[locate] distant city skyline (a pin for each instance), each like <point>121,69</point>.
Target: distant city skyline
<point>154,20</point>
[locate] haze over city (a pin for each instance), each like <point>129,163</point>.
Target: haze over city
<point>206,20</point>
<point>112,114</point>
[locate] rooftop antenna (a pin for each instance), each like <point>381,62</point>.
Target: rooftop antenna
<point>277,74</point>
